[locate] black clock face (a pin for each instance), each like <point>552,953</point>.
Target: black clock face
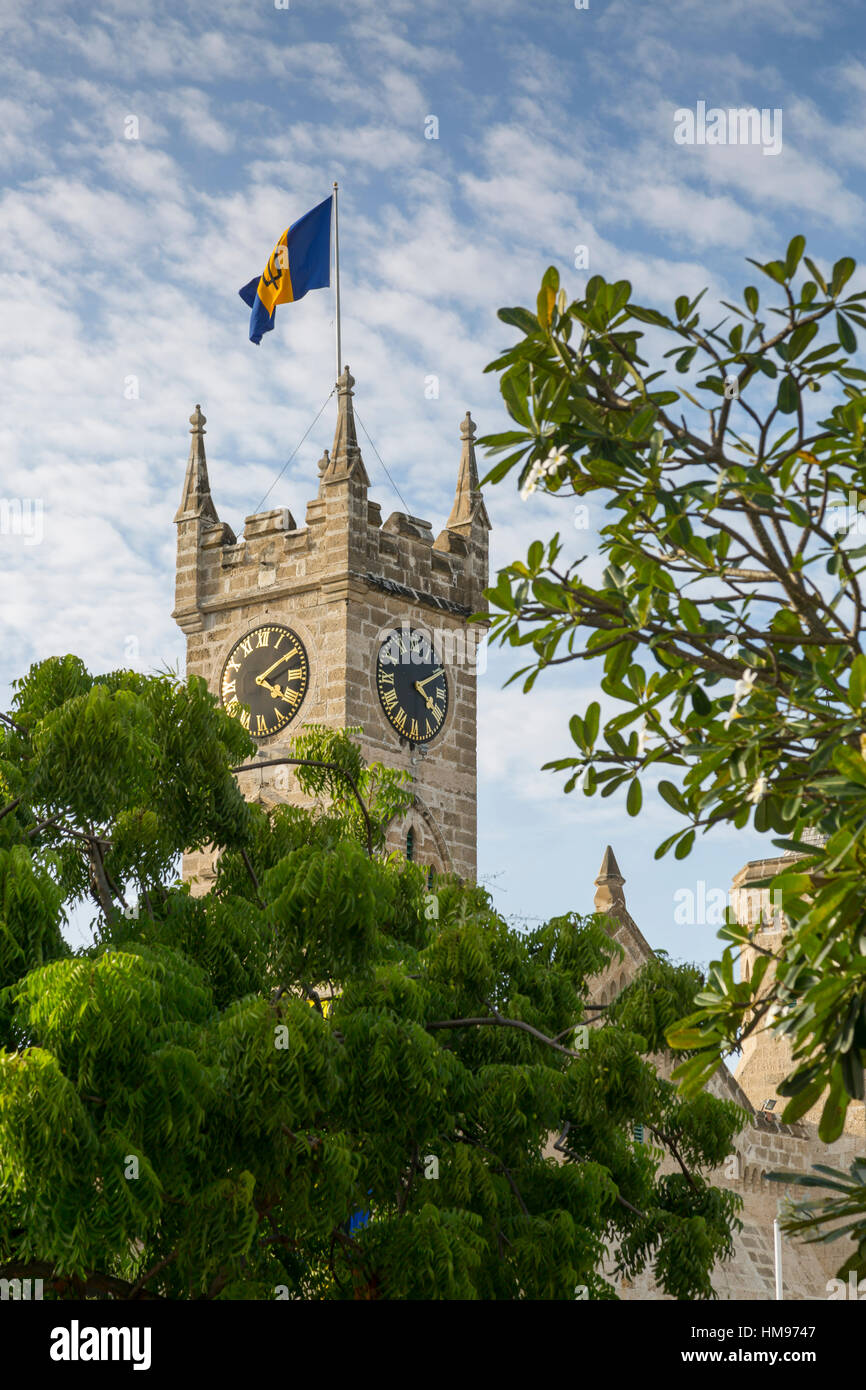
<point>268,672</point>
<point>412,685</point>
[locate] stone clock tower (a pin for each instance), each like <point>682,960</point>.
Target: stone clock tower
<point>345,621</point>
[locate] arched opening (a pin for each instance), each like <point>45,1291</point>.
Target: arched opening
<point>410,843</point>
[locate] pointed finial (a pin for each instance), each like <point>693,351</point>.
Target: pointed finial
<point>196,499</point>
<point>609,884</point>
<point>345,458</point>
<point>468,502</point>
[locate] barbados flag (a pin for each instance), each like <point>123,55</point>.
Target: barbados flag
<point>300,261</point>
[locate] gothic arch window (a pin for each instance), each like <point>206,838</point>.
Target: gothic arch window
<point>416,834</point>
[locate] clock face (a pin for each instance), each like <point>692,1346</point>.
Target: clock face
<point>268,672</point>
<point>412,685</point>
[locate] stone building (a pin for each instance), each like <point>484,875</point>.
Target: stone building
<point>332,595</point>
<point>765,1144</point>
<point>356,601</point>
<point>766,1058</point>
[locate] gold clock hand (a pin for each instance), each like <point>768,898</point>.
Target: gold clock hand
<point>273,690</point>
<point>424,696</point>
<point>290,675</point>
<point>287,657</point>
<point>440,672</point>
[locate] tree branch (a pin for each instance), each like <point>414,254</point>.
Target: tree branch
<point>316,762</point>
<point>498,1021</point>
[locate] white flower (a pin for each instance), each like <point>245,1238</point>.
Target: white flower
<point>744,685</point>
<point>542,468</point>
<point>742,690</point>
<point>759,789</point>
<point>555,459</point>
<point>531,483</point>
<point>642,736</point>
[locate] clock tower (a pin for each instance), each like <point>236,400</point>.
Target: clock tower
<point>347,621</point>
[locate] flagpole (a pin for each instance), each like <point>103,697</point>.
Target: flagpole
<point>337,278</point>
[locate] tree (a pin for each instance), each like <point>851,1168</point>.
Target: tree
<point>733,574</point>
<point>320,1079</point>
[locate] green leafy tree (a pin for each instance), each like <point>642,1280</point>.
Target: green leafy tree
<point>727,626</point>
<point>319,1080</point>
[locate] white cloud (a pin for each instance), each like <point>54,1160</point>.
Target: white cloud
<point>123,259</point>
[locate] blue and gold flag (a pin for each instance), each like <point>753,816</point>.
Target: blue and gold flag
<point>300,261</point>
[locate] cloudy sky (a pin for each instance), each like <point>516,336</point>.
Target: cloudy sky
<point>121,258</point>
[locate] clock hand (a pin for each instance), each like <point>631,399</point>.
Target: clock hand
<point>274,690</point>
<point>424,696</point>
<point>260,679</point>
<point>440,672</point>
<point>290,675</point>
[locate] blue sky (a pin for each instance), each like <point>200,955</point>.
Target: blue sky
<point>120,260</point>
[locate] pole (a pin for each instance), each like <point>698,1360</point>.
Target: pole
<point>337,278</point>
<point>777,1252</point>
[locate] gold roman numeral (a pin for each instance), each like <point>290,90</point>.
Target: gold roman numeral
<point>413,729</point>
<point>389,700</point>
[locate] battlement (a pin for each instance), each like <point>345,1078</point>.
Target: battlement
<point>343,542</point>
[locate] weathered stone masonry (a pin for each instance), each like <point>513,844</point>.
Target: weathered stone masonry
<point>341,581</point>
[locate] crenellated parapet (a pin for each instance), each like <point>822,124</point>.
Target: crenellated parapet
<point>343,542</point>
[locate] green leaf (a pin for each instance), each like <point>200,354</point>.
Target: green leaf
<point>515,400</point>
<point>816,274</point>
<point>750,294</point>
<point>634,800</point>
<point>673,796</point>
<point>775,270</point>
<point>684,847</point>
<point>796,247</point>
<point>800,339</point>
<point>833,1115</point>
<point>519,318</point>
<point>808,1097</point>
<point>842,272</point>
<point>857,682</point>
<point>788,396</point>
<point>846,334</point>
<point>590,722</point>
<point>547,296</point>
